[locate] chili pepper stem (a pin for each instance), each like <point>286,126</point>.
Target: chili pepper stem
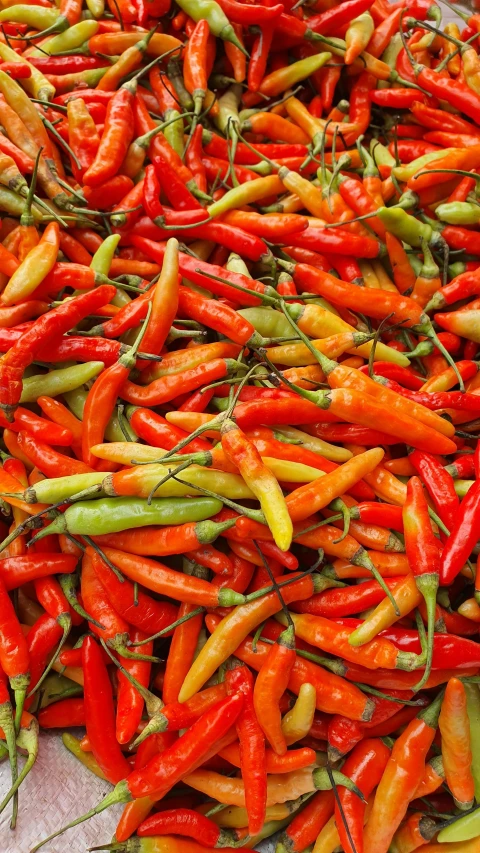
<point>8,726</point>
<point>27,740</point>
<point>153,704</point>
<point>254,514</point>
<point>428,586</point>
<point>19,685</point>
<point>120,794</point>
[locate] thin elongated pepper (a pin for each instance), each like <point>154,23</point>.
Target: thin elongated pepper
<point>401,778</point>
<point>456,753</point>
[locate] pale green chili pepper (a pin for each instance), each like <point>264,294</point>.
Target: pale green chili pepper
<point>72,38</point>
<point>101,262</point>
<point>218,22</point>
<point>59,381</point>
<point>112,515</point>
<point>53,490</point>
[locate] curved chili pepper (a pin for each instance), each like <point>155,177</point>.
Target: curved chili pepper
<point>455,731</point>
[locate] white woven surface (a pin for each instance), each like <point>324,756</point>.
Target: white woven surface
<point>57,790</point>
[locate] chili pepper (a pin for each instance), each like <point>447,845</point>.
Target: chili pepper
<point>194,68</point>
<point>130,702</point>
<point>306,825</point>
<point>142,611</point>
<point>167,581</point>
<point>365,766</point>
<point>270,684</point>
<point>263,483</point>
<point>235,628</point>
<point>14,658</point>
<point>63,714</point>
<point>327,635</point>
<point>124,513</point>
<point>461,539</point>
<point>454,728</point>
<point>439,486</point>
<point>99,713</point>
<point>408,753</point>
<point>44,330</point>
<point>157,431</point>
<point>347,601</point>
<point>102,397</point>
<point>252,754</point>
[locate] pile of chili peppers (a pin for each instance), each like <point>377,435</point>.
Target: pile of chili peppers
<point>240,408</point>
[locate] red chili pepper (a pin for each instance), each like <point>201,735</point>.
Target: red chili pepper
<point>252,748</point>
<point>439,485</point>
<point>130,702</point>
<point>14,655</point>
<point>100,714</point>
<point>15,571</point>
<point>365,766</point>
<point>141,610</point>
<point>46,329</point>
<point>462,538</point>
<point>67,713</point>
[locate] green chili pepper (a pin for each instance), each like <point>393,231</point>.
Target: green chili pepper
<point>57,687</point>
<point>59,381</point>
<point>174,130</point>
<point>462,487</point>
<point>228,120</point>
<point>459,213</point>
<point>405,227</point>
<point>268,322</point>
<point>102,261</point>
<point>463,829</point>
<point>404,173</point>
<point>117,431</point>
<point>72,38</point>
<point>37,17</point>
<point>381,154</point>
<point>14,204</point>
<point>218,22</point>
<point>236,264</point>
<point>51,491</point>
<point>76,400</point>
<point>175,75</point>
<point>111,515</point>
<point>389,56</point>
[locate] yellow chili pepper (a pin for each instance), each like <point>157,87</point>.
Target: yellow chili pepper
<point>297,722</point>
<point>358,35</point>
<point>242,453</point>
<point>33,269</point>
<point>407,597</point>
